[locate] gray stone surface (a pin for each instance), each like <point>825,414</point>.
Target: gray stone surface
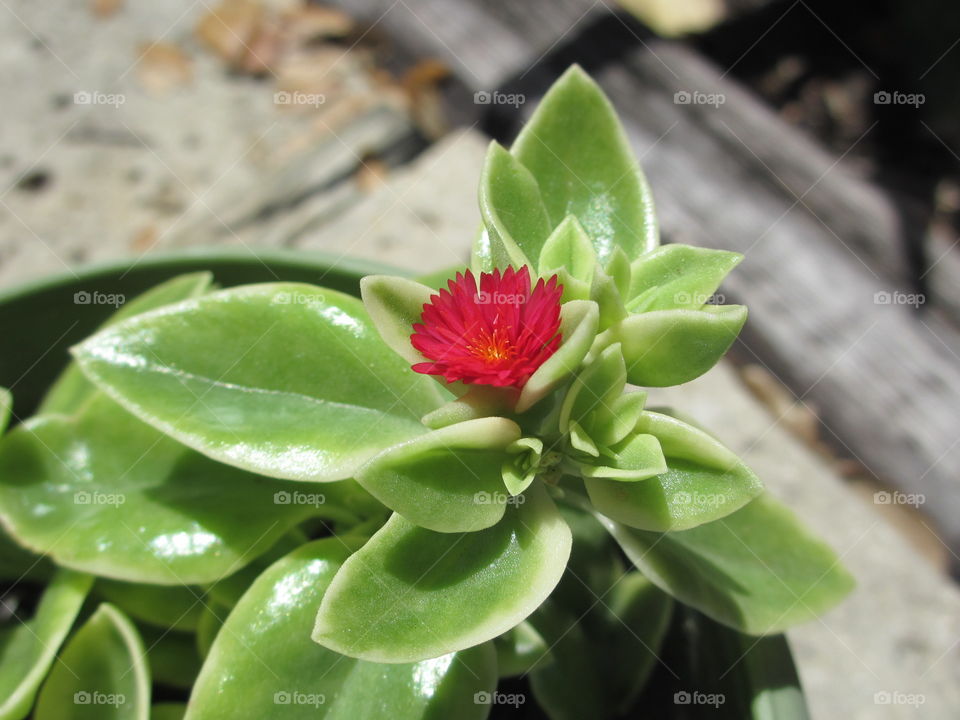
<point>191,166</point>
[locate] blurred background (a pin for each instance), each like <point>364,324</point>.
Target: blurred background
<point>821,139</point>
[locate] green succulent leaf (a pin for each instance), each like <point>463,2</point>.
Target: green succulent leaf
<point>701,481</point>
<point>172,656</point>
<point>637,457</point>
<point>568,248</point>
<point>603,653</point>
<point>72,388</point>
<point>576,149</point>
<point>758,570</point>
<point>617,268</point>
<point>411,594</point>
<point>287,380</point>
<point>519,649</point>
<point>604,292</point>
<point>578,329</point>
<point>671,347</point>
<point>28,649</point>
<point>625,412</point>
<point>168,711</point>
<point>522,464</point>
<point>448,480</point>
<point>104,493</point>
<point>512,210</point>
<point>479,401</point>
<point>101,675</point>
<point>174,607</point>
<point>594,390</point>
<point>394,305</point>
<point>264,664</point>
<point>6,408</point>
<point>677,276</point>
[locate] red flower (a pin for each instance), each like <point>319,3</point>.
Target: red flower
<point>497,335</point>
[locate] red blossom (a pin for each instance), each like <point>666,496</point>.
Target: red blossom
<point>498,334</point>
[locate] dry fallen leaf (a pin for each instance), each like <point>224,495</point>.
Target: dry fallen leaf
<point>314,22</point>
<point>421,84</point>
<point>371,174</point>
<point>230,28</point>
<point>105,8</point>
<point>163,66</point>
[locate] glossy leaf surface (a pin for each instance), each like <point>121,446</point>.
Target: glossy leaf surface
<point>290,381</point>
<point>104,493</point>
<point>758,570</point>
<point>264,665</point>
<point>411,594</point>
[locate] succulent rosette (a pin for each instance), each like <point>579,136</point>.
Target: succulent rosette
<point>483,448</point>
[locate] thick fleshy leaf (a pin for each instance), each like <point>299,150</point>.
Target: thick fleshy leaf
<point>579,155</point>
<point>512,210</point>
<point>519,649</point>
<point>394,305</point>
<point>448,480</point>
<point>264,665</point>
<point>168,711</point>
<point>702,481</point>
<point>594,390</point>
<point>677,276</point>
<point>522,464</point>
<point>72,388</point>
<point>27,650</point>
<point>605,293</point>
<point>603,653</point>
<point>101,675</point>
<point>624,413</point>
<point>757,570</point>
<point>671,347</point>
<point>681,440</point>
<point>755,676</point>
<point>569,248</point>
<point>479,401</point>
<point>104,493</point>
<point>578,328</point>
<point>637,457</point>
<point>172,656</point>
<point>174,607</point>
<point>411,594</point>
<point>6,407</point>
<point>290,381</point>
